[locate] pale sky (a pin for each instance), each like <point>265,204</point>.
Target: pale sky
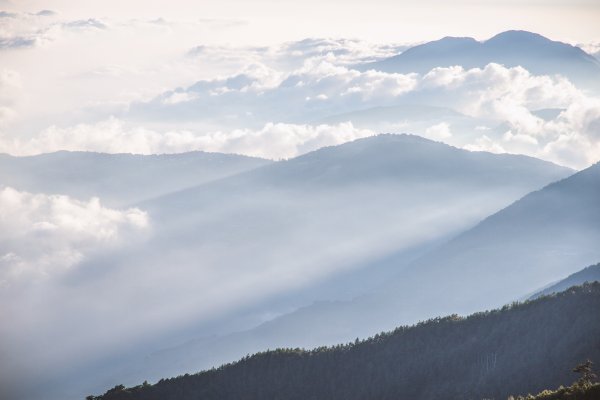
<point>268,21</point>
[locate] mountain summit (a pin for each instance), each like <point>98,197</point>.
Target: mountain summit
<point>534,52</point>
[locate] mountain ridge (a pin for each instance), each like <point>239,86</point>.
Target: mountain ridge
<point>493,364</point>
<point>436,282</point>
<point>486,169</point>
<point>118,179</point>
<point>534,52</point>
<point>588,274</point>
<point>384,139</point>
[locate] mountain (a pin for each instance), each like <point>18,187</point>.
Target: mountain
<point>535,240</point>
<point>333,211</point>
<point>589,274</point>
<point>338,222</point>
<point>517,349</point>
<point>118,179</point>
<point>228,255</point>
<point>537,54</point>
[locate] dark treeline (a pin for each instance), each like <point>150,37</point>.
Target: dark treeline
<point>574,392</point>
<point>585,388</point>
<point>521,348</point>
<point>589,274</point>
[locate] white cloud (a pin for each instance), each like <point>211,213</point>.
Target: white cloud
<point>497,92</point>
<point>572,138</point>
<point>439,131</point>
<point>241,107</point>
<point>26,29</point>
<point>509,95</point>
<point>90,23</point>
<point>292,55</point>
<point>23,29</point>
<point>484,143</point>
<point>341,84</point>
<point>180,97</point>
<point>10,91</point>
<point>284,140</point>
<point>341,51</point>
<point>274,140</point>
<point>494,92</point>
<point>494,95</point>
<point>41,235</point>
<point>317,89</point>
<point>592,48</point>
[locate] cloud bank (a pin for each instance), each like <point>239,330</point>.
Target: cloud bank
<point>274,140</point>
<point>24,29</point>
<point>504,100</point>
<point>243,107</point>
<point>41,235</point>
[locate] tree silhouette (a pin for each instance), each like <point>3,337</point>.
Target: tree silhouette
<point>587,374</point>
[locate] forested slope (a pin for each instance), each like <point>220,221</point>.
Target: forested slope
<point>522,348</point>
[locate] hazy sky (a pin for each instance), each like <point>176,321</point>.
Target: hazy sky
<point>268,21</point>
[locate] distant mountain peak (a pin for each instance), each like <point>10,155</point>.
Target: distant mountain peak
<point>446,44</point>
<point>517,34</point>
<point>532,51</point>
<point>457,39</point>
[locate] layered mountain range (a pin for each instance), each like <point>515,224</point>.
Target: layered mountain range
<point>542,237</point>
<point>238,255</point>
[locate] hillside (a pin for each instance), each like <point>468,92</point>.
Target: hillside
<point>589,274</point>
<point>118,179</point>
<point>536,240</point>
<point>486,355</point>
<point>336,213</point>
<point>339,208</point>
